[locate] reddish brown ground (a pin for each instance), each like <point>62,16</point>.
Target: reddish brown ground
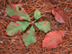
<point>14,45</point>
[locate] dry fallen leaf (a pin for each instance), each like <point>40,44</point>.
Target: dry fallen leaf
<point>52,39</point>
<point>60,16</point>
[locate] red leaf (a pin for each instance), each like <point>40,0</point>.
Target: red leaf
<point>52,39</point>
<point>60,16</point>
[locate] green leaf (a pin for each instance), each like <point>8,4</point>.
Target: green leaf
<point>16,27</point>
<point>44,26</point>
<point>13,12</point>
<point>37,14</point>
<point>29,37</point>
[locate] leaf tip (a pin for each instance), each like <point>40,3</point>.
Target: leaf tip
<point>26,44</point>
<point>37,14</point>
<point>63,33</point>
<point>53,11</point>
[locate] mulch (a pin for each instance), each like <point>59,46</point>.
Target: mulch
<point>15,45</point>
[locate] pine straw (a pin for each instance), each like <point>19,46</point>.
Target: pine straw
<point>15,45</point>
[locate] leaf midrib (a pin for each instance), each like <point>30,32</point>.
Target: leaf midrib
<point>53,40</point>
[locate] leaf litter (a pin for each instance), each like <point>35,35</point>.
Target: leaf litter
<point>65,46</point>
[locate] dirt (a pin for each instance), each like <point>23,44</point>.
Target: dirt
<point>15,45</point>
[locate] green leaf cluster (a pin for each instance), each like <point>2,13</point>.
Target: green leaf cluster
<point>19,26</point>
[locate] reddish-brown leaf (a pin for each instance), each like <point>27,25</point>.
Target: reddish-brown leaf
<point>60,16</point>
<point>52,39</point>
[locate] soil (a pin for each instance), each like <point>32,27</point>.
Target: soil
<point>15,45</point>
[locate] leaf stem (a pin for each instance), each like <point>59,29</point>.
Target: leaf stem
<point>40,17</point>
